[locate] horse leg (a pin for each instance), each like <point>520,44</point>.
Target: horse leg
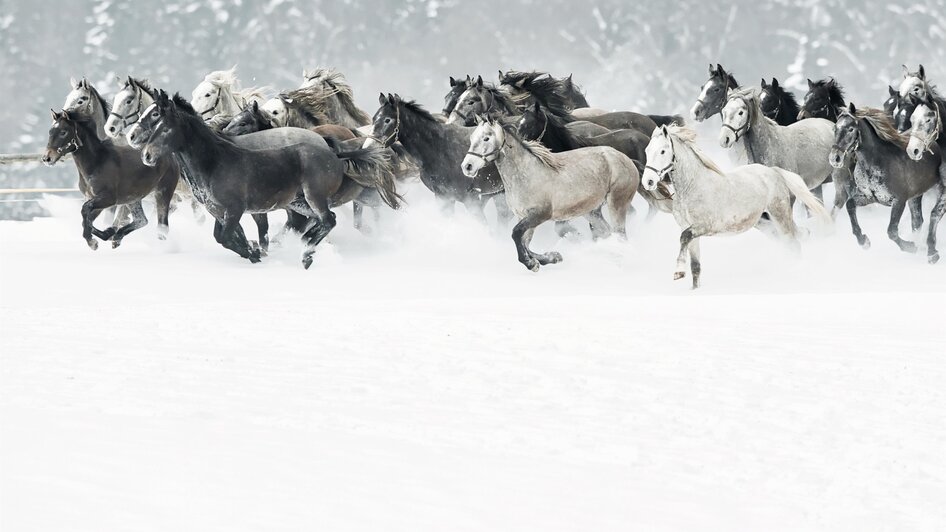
<point>855,226</point>
<point>522,236</point>
<point>565,229</point>
<point>324,223</point>
<point>841,190</point>
<point>262,229</point>
<point>893,228</point>
<point>686,237</point>
<point>503,212</point>
<point>619,200</point>
<point>138,220</point>
<point>233,238</point>
<point>90,211</point>
<point>163,198</point>
<point>916,213</point>
<point>780,213</point>
<point>939,209</point>
<point>121,216</point>
<point>695,266</point>
<point>600,228</point>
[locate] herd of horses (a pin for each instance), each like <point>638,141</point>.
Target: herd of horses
<point>530,143</point>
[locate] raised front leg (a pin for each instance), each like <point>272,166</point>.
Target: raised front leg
<point>686,237</point>
<point>324,223</point>
<point>522,237</point>
<point>939,209</point>
<point>695,266</point>
<point>855,226</point>
<point>90,211</point>
<point>893,228</point>
<point>600,228</point>
<point>138,220</point>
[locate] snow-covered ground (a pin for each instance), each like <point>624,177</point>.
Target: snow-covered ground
<point>422,379</point>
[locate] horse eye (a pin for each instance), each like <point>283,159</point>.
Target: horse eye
<point>62,133</point>
<point>663,152</point>
<point>485,139</point>
<point>740,113</point>
<point>387,120</point>
<point>715,89</point>
<point>207,95</point>
<point>128,100</point>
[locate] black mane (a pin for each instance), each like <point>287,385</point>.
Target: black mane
<point>548,91</point>
<point>835,91</point>
<point>418,109</point>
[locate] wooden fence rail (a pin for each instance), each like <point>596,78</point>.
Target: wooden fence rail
<point>14,158</point>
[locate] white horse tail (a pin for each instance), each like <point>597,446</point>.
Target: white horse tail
<point>796,185</point>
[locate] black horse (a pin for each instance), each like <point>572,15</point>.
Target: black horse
<point>438,149</point>
<point>457,87</point>
<point>778,104</point>
<point>885,174</point>
<point>825,99</point>
<point>230,179</point>
<point>714,93</point>
<point>110,175</point>
<point>892,101</point>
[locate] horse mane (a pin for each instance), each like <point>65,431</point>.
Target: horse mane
<point>103,103</point>
<point>688,137</point>
<point>751,96</point>
<point>418,109</point>
<point>143,84</point>
<point>502,97</point>
<point>573,90</point>
<point>556,126</point>
<point>835,91</point>
<point>222,78</point>
<point>192,120</point>
<point>310,104</point>
<point>534,147</point>
<point>788,104</point>
<point>882,126</point>
<point>340,87</point>
<point>549,92</point>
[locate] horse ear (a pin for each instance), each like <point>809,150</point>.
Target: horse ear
<point>500,75</point>
<point>851,108</point>
<point>254,105</point>
<point>831,82</point>
<point>906,71</point>
<point>479,119</point>
<point>453,82</point>
<point>382,99</point>
<point>479,81</point>
<point>537,106</point>
<point>73,83</point>
<point>719,68</point>
<point>54,114</point>
<point>775,83</point>
<point>712,70</point>
<point>85,83</point>
<point>892,91</point>
<point>811,84</point>
<point>763,83</point>
<point>922,73</point>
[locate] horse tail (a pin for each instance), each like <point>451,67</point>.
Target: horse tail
<point>664,120</point>
<point>370,167</point>
<point>796,185</point>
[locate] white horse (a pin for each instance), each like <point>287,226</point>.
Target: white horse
<point>85,100</point>
<point>134,97</point>
<point>712,99</point>
<point>332,87</point>
<point>219,95</point>
<point>708,201</point>
<point>913,83</point>
<point>542,186</point>
<point>801,148</point>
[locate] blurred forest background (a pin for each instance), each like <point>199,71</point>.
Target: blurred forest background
<point>649,56</point>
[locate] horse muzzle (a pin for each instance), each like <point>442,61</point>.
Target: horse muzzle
<point>471,166</point>
<point>148,157</point>
<point>52,157</point>
<point>915,150</point>
<point>836,158</point>
<point>698,112</point>
<point>726,138</point>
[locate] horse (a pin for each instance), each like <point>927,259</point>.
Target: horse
<point>913,83</point>
<point>709,201</point>
<point>927,129</point>
<point>230,179</point>
<point>218,96</point>
<point>892,101</point>
<point>438,149</point>
<point>824,99</point>
<point>713,93</point>
<point>885,174</point>
<point>559,96</point>
<point>339,102</point>
<point>132,98</point>
<point>84,99</point>
<point>542,186</point>
<point>801,148</point>
<point>778,104</point>
<point>254,118</point>
<point>457,87</point>
<point>110,175</point>
<point>539,125</point>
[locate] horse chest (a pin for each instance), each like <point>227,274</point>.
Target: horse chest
<point>871,184</point>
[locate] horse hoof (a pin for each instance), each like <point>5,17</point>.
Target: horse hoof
<point>116,243</point>
<point>678,275</point>
<point>93,244</point>
<point>554,257</point>
<point>162,236</point>
<point>933,258</point>
<point>306,262</point>
<point>865,243</point>
<point>532,265</point>
<point>908,247</point>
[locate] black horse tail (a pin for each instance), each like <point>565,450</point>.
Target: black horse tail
<point>663,120</point>
<point>371,168</point>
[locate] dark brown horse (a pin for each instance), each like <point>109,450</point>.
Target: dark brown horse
<point>110,175</point>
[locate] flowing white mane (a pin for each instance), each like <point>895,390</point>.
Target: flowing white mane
<point>687,138</point>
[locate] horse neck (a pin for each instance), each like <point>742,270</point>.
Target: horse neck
<point>228,104</point>
<point>201,150</point>
<point>417,134</point>
<point>92,152</point>
<point>870,142</point>
<point>760,132</point>
<point>558,137</point>
<point>689,172</point>
<point>517,165</point>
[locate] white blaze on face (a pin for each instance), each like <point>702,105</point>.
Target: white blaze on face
<point>703,93</point>
<point>276,109</point>
<point>912,85</point>
<point>923,128</point>
<point>123,104</point>
<point>205,97</point>
<point>482,141</point>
